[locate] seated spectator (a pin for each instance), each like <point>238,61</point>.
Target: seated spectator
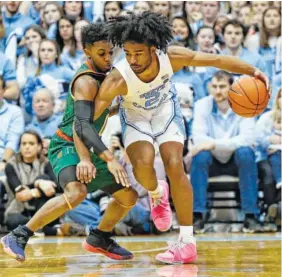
<point>223,146</point>
<point>12,126</point>
<point>218,27</point>
<point>269,145</point>
<point>235,8</point>
<point>51,13</point>
<point>74,60</point>
<point>210,11</point>
<point>28,63</point>
<point>258,7</point>
<point>8,76</point>
<point>32,182</point>
<point>50,74</point>
<point>44,121</point>
<point>15,21</point>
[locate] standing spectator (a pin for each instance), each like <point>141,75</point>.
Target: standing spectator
<point>74,61</point>
<point>52,12</point>
<point>142,6</point>
<point>8,77</point>
<point>73,9</point>
<point>111,9</point>
<point>28,63</point>
<point>12,126</point>
<point>223,145</point>
<point>192,11</point>
<point>258,7</point>
<point>15,21</point>
<point>44,121</point>
<point>210,11</point>
<point>269,145</point>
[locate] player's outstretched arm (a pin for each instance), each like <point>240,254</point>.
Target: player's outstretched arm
<point>181,57</point>
<point>113,85</point>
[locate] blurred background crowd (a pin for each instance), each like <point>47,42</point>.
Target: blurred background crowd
<point>40,51</point>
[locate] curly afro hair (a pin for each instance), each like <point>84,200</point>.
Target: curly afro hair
<point>92,33</point>
<point>148,28</point>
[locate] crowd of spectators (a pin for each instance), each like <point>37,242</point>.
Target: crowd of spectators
<point>40,51</point>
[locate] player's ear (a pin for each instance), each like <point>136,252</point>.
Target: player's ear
<point>153,49</point>
<point>87,52</point>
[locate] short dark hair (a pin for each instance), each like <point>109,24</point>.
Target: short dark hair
<point>92,33</point>
<point>219,75</point>
<point>235,23</point>
<point>148,28</point>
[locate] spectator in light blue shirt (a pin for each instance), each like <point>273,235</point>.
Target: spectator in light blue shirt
<point>269,145</point>
<point>11,128</point>
<point>223,146</point>
<point>14,21</point>
<point>210,11</point>
<point>234,34</point>
<point>50,74</point>
<point>44,121</point>
<point>8,74</point>
<point>35,10</point>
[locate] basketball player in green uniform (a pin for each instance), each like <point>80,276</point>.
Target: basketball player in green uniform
<point>71,159</point>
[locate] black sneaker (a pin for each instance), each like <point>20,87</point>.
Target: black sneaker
<point>102,243</point>
<point>251,225</point>
<point>14,243</point>
<point>199,226</point>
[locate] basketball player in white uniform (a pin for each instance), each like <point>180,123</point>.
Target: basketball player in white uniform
<point>149,112</point>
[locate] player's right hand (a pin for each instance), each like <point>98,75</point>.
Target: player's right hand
<point>85,171</point>
<point>118,171</point>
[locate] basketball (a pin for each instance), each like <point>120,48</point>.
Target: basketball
<point>248,96</point>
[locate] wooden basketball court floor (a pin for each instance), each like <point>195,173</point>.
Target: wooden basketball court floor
<point>235,255</point>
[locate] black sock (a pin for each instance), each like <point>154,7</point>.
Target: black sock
<point>102,232</point>
<point>198,215</point>
<point>250,216</point>
<point>28,231</point>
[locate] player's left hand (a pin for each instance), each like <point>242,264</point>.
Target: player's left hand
<point>260,75</point>
<point>85,171</point>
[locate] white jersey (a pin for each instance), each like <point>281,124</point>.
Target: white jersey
<point>146,96</point>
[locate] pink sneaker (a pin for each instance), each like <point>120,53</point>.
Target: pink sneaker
<point>179,253</point>
<point>160,209</point>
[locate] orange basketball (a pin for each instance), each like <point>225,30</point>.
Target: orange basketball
<point>248,96</point>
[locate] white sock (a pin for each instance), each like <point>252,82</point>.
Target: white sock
<point>158,192</point>
<point>186,233</point>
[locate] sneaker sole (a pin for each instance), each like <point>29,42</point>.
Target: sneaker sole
<point>8,251</point>
<point>98,250</point>
<point>188,261</point>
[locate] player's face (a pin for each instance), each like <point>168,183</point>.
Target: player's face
<point>139,56</point>
<point>101,54</point>
<point>233,36</point>
<point>29,147</point>
<point>219,89</point>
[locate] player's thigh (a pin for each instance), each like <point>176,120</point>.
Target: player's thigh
<point>171,144</point>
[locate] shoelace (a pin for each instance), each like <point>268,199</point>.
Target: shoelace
<point>20,238</point>
<point>178,245</point>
